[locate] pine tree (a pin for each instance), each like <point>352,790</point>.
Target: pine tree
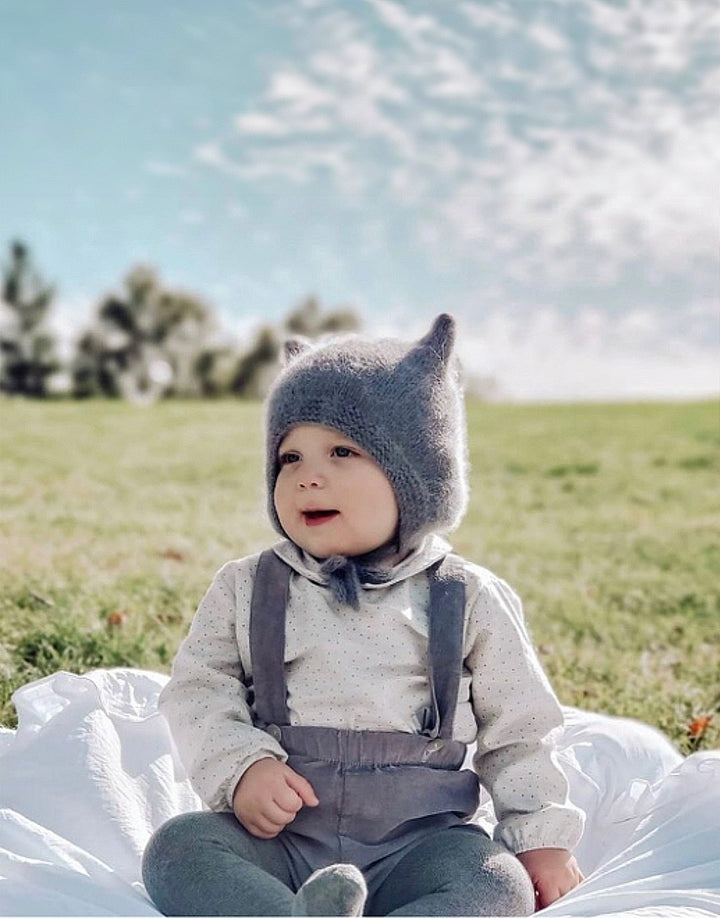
<point>27,347</point>
<point>144,343</point>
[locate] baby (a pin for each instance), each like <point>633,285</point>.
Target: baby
<point>327,692</point>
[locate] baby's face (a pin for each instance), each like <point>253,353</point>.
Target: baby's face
<point>331,497</point>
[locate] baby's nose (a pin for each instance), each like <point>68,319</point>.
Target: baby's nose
<point>311,481</point>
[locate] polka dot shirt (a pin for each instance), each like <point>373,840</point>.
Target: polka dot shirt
<point>366,670</point>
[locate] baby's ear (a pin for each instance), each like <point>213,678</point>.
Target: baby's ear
<point>436,346</point>
<point>293,347</point>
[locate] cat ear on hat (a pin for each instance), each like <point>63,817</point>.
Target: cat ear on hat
<point>292,349</point>
<point>433,350</point>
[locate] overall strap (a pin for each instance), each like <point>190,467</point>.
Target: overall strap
<point>446,631</point>
<point>267,638</point>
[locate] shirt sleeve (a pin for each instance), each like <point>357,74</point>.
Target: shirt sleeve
<point>206,701</point>
<point>517,715</point>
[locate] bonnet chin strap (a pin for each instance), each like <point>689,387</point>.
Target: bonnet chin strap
<point>345,577</point>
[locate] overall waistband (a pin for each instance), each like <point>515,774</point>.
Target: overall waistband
<point>368,748</point>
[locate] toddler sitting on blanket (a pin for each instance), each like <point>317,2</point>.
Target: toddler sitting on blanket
<point>328,689</point>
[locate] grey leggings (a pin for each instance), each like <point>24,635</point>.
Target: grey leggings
<point>208,864</point>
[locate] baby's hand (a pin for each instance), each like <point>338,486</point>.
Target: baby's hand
<point>553,871</point>
<point>269,795</point>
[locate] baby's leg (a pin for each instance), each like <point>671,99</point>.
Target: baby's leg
<point>208,864</point>
<point>457,871</point>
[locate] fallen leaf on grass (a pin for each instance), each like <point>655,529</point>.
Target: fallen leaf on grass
<point>172,554</point>
<point>699,725</point>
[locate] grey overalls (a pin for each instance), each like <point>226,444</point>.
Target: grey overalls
<point>379,792</point>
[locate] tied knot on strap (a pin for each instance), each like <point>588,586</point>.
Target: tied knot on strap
<point>345,577</point>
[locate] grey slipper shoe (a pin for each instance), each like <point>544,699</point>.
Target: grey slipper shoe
<point>335,890</point>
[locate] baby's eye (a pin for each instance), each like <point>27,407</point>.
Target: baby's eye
<point>287,458</point>
<point>344,451</point>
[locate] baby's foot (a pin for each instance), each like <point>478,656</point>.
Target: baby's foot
<point>335,890</point>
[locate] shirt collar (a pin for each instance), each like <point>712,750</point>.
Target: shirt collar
<point>431,549</point>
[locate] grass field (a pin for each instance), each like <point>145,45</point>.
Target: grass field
<point>605,518</point>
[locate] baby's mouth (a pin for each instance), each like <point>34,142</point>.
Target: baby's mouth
<point>316,517</point>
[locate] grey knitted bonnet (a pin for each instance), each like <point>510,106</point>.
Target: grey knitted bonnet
<point>400,402</point>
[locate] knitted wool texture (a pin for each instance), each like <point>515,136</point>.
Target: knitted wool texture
<point>400,402</point>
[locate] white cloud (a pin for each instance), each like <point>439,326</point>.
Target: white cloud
<point>211,154</point>
<point>357,66</point>
<point>548,357</point>
<point>412,27</point>
<point>452,77</point>
<point>591,199</point>
<point>486,18</point>
<point>558,170</point>
<point>298,95</point>
<point>295,165</point>
<point>654,36</point>
<point>546,37</point>
<point>261,124</point>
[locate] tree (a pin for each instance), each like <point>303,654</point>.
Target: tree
<point>309,320</point>
<point>144,343</point>
<point>258,366</point>
<point>216,367</point>
<point>27,347</point>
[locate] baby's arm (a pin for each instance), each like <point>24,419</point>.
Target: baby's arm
<point>553,871</point>
<point>518,714</point>
<point>269,796</point>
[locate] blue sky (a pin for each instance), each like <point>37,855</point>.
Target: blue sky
<point>547,172</point>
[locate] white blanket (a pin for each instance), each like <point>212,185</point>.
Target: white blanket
<point>91,771</point>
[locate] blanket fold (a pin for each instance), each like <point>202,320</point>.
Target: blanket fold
<point>91,771</point>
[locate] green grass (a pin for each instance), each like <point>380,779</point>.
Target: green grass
<point>605,518</point>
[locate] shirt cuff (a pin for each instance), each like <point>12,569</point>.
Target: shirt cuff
<point>249,760</point>
<point>553,826</point>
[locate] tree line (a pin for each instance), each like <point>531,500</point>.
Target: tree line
<point>143,343</point>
